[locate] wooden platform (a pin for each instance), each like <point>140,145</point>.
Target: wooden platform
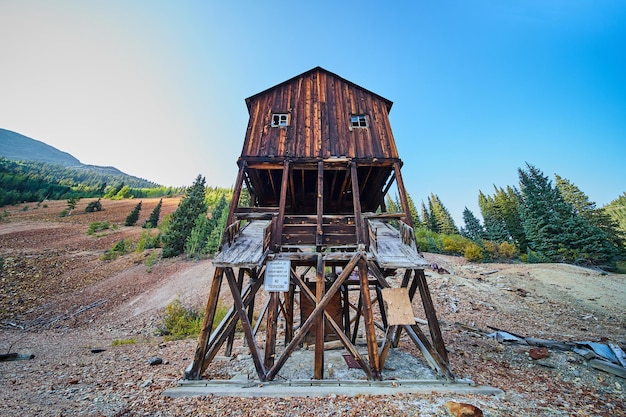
<point>391,252</point>
<point>247,249</point>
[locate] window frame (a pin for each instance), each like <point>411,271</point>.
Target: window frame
<point>280,116</point>
<point>359,121</point>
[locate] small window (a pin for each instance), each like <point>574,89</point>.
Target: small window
<point>358,120</point>
<point>280,119</point>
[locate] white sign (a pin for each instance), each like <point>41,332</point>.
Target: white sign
<point>277,275</point>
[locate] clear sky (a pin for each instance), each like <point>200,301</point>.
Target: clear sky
<point>157,88</point>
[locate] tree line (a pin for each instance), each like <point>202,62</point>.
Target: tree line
<point>28,181</point>
<point>537,221</point>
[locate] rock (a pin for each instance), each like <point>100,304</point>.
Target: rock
<point>539,353</point>
<point>155,361</point>
<point>463,410</point>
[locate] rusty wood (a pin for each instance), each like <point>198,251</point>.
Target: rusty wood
<point>320,204</point>
<point>289,304</point>
<point>384,352</point>
<point>402,192</point>
<point>431,316</point>
<point>319,309</point>
<point>432,357</point>
<point>197,366</point>
<point>282,204</point>
<point>356,200</point>
<point>318,370</point>
<point>229,323</point>
<point>234,202</point>
<point>247,329</point>
<point>336,328</point>
<point>271,328</point>
<point>368,320</point>
<point>231,336</point>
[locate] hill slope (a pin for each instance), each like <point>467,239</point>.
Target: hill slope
<point>22,148</point>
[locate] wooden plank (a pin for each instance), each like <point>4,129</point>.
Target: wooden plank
<point>399,310</point>
<point>247,328</point>
<point>247,251</point>
<point>271,329</point>
<point>356,200</point>
<point>282,203</point>
<point>429,310</point>
<point>368,320</point>
<point>319,235</point>
<point>608,367</point>
<point>318,369</point>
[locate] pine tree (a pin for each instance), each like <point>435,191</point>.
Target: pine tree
<point>473,229</point>
<point>183,219</point>
<point>218,218</point>
<point>132,218</point>
<point>495,226</point>
<point>415,217</point>
<point>555,229</point>
<point>427,220</point>
<point>443,221</point>
<point>153,220</point>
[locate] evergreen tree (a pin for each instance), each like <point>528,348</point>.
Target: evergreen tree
<point>197,241</point>
<point>415,217</point>
<point>473,229</point>
<point>617,210</point>
<point>555,229</point>
<point>218,221</point>
<point>495,226</point>
<point>183,219</point>
<point>427,220</point>
<point>132,218</point>
<point>153,220</point>
<point>442,220</point>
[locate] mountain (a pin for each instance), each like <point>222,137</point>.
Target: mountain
<point>17,147</point>
<point>22,148</point>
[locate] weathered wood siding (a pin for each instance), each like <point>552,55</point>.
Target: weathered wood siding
<point>319,105</point>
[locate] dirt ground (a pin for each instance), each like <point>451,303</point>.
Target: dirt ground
<point>91,325</point>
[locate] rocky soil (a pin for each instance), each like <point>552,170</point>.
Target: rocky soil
<point>90,325</point>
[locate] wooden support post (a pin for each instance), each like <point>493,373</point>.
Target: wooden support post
<point>270,330</point>
<point>231,337</point>
<point>404,201</point>
<point>368,320</point>
<point>247,328</point>
<point>431,316</point>
<point>197,366</point>
<point>278,236</point>
<point>289,304</point>
<point>234,202</point>
<point>319,236</point>
<point>356,201</point>
<point>318,372</point>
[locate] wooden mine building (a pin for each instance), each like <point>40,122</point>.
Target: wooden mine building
<point>318,161</point>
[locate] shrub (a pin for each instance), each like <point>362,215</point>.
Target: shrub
<point>93,206</point>
<point>507,250</point>
<point>181,321</point>
<point>122,342</point>
<point>148,241</point>
<point>150,261</point>
<point>120,248</point>
<point>473,252</point>
<point>97,226</point>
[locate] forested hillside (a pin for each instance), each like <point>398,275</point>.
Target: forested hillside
<point>27,181</point>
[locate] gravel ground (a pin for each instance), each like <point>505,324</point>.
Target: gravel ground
<point>91,326</point>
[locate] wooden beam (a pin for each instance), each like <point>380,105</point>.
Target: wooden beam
<point>429,310</point>
<point>356,200</point>
<point>247,328</point>
<point>234,202</point>
<point>403,196</point>
<point>318,370</point>
<point>231,337</point>
<point>368,320</point>
<point>271,329</point>
<point>319,236</point>
<point>196,369</point>
<point>281,207</point>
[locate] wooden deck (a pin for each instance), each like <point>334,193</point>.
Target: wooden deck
<point>391,252</point>
<point>247,249</point>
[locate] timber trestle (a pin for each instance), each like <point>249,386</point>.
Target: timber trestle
<point>316,250</point>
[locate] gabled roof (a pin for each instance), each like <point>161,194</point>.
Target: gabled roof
<point>389,103</point>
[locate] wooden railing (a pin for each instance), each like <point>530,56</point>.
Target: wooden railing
<point>268,232</point>
<point>231,232</point>
<point>372,235</point>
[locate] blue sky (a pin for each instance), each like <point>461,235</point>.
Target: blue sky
<point>157,88</point>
